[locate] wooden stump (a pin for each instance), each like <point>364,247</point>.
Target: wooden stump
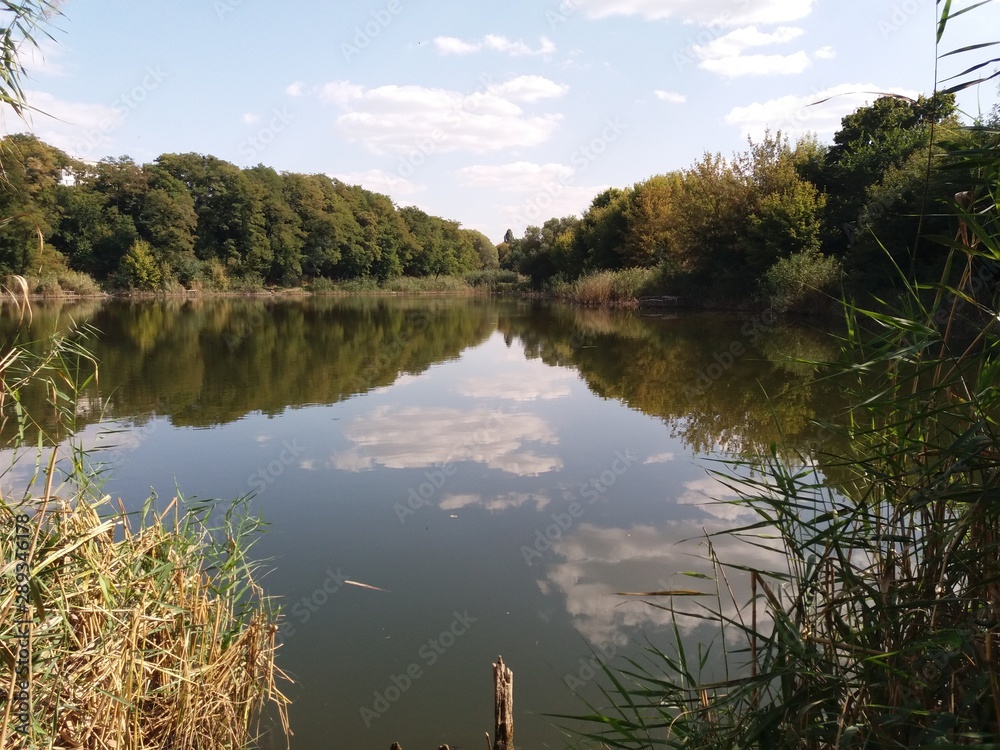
<point>503,683</point>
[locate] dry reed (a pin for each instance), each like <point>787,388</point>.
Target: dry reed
<point>141,637</point>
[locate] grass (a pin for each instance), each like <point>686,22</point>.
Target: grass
<point>63,282</point>
<point>608,288</point>
<point>117,630</point>
<point>498,281</point>
<point>397,285</point>
<point>144,634</point>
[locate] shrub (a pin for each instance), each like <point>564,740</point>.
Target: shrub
<point>495,280</point>
<point>803,282</point>
<point>139,269</point>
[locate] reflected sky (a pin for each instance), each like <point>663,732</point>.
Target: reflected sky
<point>499,472</point>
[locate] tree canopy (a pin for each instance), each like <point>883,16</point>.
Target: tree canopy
<point>198,221</point>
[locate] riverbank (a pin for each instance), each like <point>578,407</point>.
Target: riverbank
<point>632,288</point>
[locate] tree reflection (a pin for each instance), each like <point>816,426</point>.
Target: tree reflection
<point>719,382</point>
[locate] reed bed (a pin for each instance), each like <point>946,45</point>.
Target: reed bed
<point>145,634</point>
<point>617,288</point>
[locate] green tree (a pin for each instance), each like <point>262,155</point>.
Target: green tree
<point>231,224</point>
<point>282,226</point>
<point>649,219</point>
<point>485,249</point>
<point>600,237</point>
<point>871,141</point>
<point>139,269</point>
<point>29,201</point>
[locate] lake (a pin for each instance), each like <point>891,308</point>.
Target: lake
<point>494,472</point>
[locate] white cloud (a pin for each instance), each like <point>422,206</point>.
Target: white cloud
<point>341,93</point>
<point>404,119</point>
<point>528,89</point>
<point>449,45</point>
<point>736,42</point>
<point>659,458</point>
<point>544,384</point>
<point>249,118</point>
<point>81,129</point>
<point>415,437</point>
<point>819,112</point>
<point>521,176</point>
<point>598,563</point>
<point>713,497</point>
<point>671,97</point>
<point>298,88</point>
<point>380,181</point>
<point>758,65</point>
<point>545,190</point>
<point>825,53</point>
<point>725,55</point>
<point>554,199</point>
<point>715,12</point>
<point>42,59</point>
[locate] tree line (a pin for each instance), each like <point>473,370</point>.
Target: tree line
<point>196,221</point>
<point>779,220</point>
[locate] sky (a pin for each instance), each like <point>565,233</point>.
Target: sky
<point>494,114</point>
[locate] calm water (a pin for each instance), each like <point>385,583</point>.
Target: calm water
<point>500,469</point>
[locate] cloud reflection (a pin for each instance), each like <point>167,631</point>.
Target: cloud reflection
<point>540,383</point>
<point>499,503</point>
<point>417,437</point>
<point>597,563</point>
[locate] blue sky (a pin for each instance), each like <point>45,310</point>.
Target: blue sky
<point>494,114</point>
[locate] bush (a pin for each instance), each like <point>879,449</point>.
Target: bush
<point>77,282</point>
<point>139,269</point>
<point>496,280</point>
<point>322,285</point>
<point>804,282</point>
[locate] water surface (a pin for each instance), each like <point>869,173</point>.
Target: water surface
<point>499,469</point>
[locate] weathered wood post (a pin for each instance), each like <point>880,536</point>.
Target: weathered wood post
<point>503,683</point>
<point>503,729</point>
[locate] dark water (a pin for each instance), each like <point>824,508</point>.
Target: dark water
<point>500,469</point>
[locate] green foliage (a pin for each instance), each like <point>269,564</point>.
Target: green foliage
<point>496,280</point>
<point>139,268</point>
<point>804,283</point>
<point>21,23</point>
<point>608,287</point>
<point>199,214</point>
